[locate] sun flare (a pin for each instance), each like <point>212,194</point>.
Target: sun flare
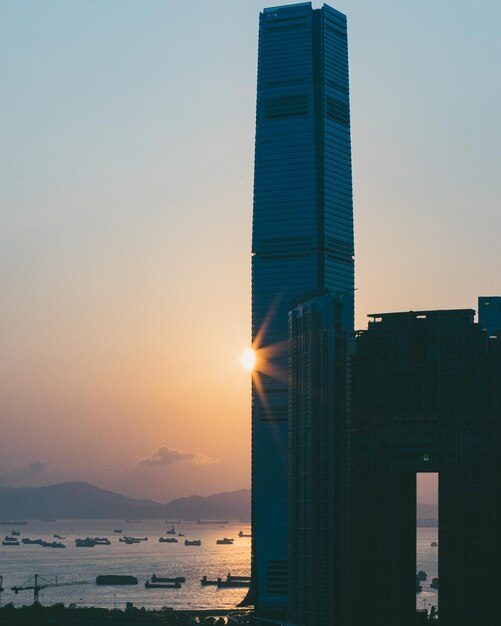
<point>249,359</point>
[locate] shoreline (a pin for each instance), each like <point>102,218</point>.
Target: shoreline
<point>60,615</point>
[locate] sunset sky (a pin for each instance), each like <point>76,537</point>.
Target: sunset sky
<point>127,134</point>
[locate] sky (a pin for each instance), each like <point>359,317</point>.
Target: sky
<point>126,168</point>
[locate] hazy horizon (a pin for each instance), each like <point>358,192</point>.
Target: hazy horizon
<point>426,490</point>
<point>126,209</point>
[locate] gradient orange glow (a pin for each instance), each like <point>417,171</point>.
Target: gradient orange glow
<point>126,224</point>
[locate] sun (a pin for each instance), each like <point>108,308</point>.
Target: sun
<point>249,359</point>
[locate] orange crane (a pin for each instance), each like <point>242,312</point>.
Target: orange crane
<point>37,587</point>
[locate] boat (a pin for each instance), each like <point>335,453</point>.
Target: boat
<point>225,541</point>
<point>233,577</point>
<point>12,522</point>
<point>149,585</point>
<point>52,544</point>
<point>180,534</point>
<point>85,543</point>
<point>117,530</point>
<point>115,579</point>
<point>168,540</point>
<point>11,542</point>
<point>129,540</point>
<point>230,581</point>
<point>206,581</point>
<point>15,533</point>
<point>242,534</point>
<point>233,583</point>
<point>29,541</point>
<point>58,537</point>
<point>171,531</point>
<point>90,542</point>
<point>161,579</point>
<point>194,542</point>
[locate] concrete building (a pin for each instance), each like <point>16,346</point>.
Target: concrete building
<point>426,398</point>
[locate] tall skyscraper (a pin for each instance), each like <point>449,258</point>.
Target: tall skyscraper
<point>302,241</point>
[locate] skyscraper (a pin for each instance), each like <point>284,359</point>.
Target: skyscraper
<point>302,241</point>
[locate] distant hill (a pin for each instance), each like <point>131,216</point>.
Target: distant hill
<point>79,500</point>
<point>227,505</point>
<point>427,511</point>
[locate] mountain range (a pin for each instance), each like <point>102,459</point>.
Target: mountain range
<point>80,500</point>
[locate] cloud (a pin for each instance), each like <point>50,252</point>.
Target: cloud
<point>168,456</point>
<point>27,471</point>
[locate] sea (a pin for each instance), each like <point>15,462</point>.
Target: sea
<point>427,560</point>
<point>19,564</point>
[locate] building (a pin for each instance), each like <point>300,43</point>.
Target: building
<point>426,398</point>
<point>318,411</point>
<point>495,510</point>
<point>302,240</point>
<point>489,314</point>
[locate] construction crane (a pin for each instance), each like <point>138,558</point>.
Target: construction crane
<point>37,587</point>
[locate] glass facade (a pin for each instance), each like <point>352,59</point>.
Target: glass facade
<point>302,240</point>
<point>318,412</point>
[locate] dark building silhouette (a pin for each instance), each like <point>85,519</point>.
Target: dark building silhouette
<point>495,510</point>
<point>426,398</point>
<point>489,314</point>
<point>335,452</point>
<point>318,385</point>
<point>302,240</point>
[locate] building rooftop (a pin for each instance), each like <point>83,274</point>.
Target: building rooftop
<point>470,313</point>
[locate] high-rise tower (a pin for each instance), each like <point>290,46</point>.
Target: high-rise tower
<point>302,241</point>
